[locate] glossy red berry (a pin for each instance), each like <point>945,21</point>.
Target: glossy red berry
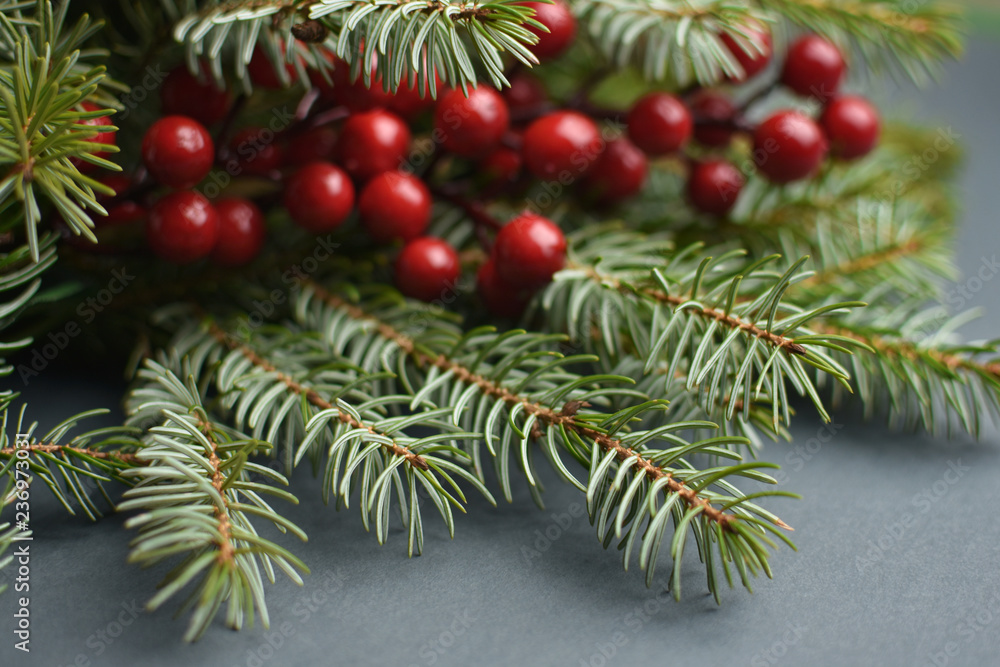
<point>256,151</point>
<point>714,186</point>
<point>502,165</point>
<point>788,146</point>
<point>99,138</point>
<point>501,298</point>
<point>561,24</point>
<point>427,268</point>
<point>813,68</point>
<point>852,126</point>
<point>529,250</point>
<point>182,227</point>
<point>471,126</point>
<point>178,151</point>
<point>373,142</point>
<point>525,94</point>
<point>318,143</point>
<point>659,124</point>
<point>241,232</point>
<point>395,205</point>
<point>620,172</point>
<point>263,72</point>
<point>712,111</point>
<point>563,142</point>
<point>753,51</point>
<point>183,94</point>
<point>319,197</point>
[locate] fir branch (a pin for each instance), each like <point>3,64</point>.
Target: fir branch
<point>197,499</point>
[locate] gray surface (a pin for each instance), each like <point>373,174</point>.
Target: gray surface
<point>927,547</point>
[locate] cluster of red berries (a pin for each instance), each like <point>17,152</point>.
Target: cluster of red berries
<point>350,154</point>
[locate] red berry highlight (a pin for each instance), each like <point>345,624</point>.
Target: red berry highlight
<point>529,250</point>
<point>241,232</point>
<point>178,151</point>
<point>788,146</point>
<point>714,186</point>
<point>813,68</point>
<point>319,197</point>
<point>561,24</point>
<point>395,205</point>
<point>852,126</point>
<point>182,227</point>
<point>471,126</point>
<point>559,143</point>
<point>427,268</point>
<point>659,124</point>
<point>373,142</point>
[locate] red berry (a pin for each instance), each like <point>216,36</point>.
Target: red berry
<point>502,165</point>
<point>754,56</point>
<point>561,23</point>
<point>813,68</point>
<point>395,205</point>
<point>712,110</point>
<point>352,92</point>
<point>501,298</point>
<point>713,186</point>
<point>563,141</point>
<point>241,232</point>
<point>659,124</point>
<point>373,142</point>
<point>263,73</point>
<point>408,102</point>
<point>256,151</point>
<point>427,268</point>
<point>619,173</point>
<point>182,227</point>
<point>525,94</point>
<point>178,151</point>
<point>852,126</point>
<point>319,197</point>
<point>471,126</point>
<point>99,138</point>
<point>529,250</point>
<point>182,94</point>
<point>788,146</point>
<point>318,143</point>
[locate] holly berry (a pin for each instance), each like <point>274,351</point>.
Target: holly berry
<point>426,268</point>
<point>183,94</point>
<point>561,25</point>
<point>263,73</point>
<point>471,126</point>
<point>525,94</point>
<point>256,151</point>
<point>659,124</point>
<point>852,126</point>
<point>713,186</point>
<point>501,298</point>
<point>754,56</point>
<point>319,197</point>
<point>529,250</point>
<point>99,138</point>
<point>619,173</point>
<point>178,151</point>
<point>318,143</point>
<point>502,165</point>
<point>788,146</point>
<point>373,142</point>
<point>561,142</point>
<point>182,227</point>
<point>813,68</point>
<point>395,205</point>
<point>712,111</point>
<point>241,232</point>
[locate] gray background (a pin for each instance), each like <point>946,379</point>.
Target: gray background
<point>866,587</point>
